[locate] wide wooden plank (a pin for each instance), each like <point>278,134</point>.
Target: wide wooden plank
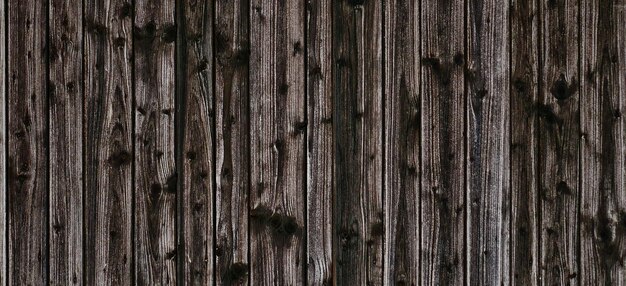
<point>65,98</point>
<point>524,143</point>
<point>156,185</point>
<point>443,151</point>
<point>320,176</point>
<point>27,181</point>
<point>108,143</point>
<point>402,259</point>
<point>277,134</point>
<point>357,118</point>
<point>602,103</point>
<point>488,139</point>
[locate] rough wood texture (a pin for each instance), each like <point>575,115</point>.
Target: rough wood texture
<point>357,122</point>
<point>4,258</point>
<point>603,88</point>
<point>154,37</point>
<point>277,136</point>
<point>524,143</point>
<point>489,141</point>
<point>27,181</point>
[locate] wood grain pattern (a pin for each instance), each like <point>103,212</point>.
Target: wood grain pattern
<point>4,258</point>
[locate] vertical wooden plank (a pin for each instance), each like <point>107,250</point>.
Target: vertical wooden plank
<point>155,172</point>
<point>65,98</point>
<point>443,152</point>
<point>358,124</point>
<point>277,135</point>
<point>524,142</point>
<point>402,259</point>
<point>603,86</point>
<point>320,143</point>
<point>196,66</point>
<point>559,131</point>
<point>4,258</point>
<point>28,143</point>
<point>489,140</point>
<point>108,141</point>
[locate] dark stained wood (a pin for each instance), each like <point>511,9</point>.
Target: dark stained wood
<point>4,258</point>
<point>196,85</point>
<point>603,88</point>
<point>358,123</point>
<point>559,131</point>
<point>277,136</point>
<point>524,142</point>
<point>320,149</point>
<point>154,38</point>
<point>443,152</point>
<point>232,48</point>
<point>65,90</point>
<point>27,162</point>
<point>488,137</point>
<point>108,129</point>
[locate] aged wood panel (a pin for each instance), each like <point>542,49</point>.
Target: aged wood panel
<point>443,152</point>
<point>559,130</point>
<point>524,142</point>
<point>357,124</point>
<point>154,36</point>
<point>27,181</point>
<point>320,150</point>
<point>232,48</point>
<point>488,139</point>
<point>277,136</point>
<point>65,99</point>
<point>4,258</point>
<point>603,86</point>
<point>196,85</point>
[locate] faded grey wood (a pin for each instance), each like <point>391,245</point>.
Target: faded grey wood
<point>524,146</point>
<point>488,138</point>
<point>277,137</point>
<point>358,128</point>
<point>27,161</point>
<point>320,150</point>
<point>65,99</point>
<point>402,259</point>
<point>603,88</point>
<point>232,48</point>
<point>155,171</point>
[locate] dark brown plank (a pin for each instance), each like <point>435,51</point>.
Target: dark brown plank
<point>603,89</point>
<point>277,133</point>
<point>233,144</point>
<point>443,152</point>
<point>4,259</point>
<point>524,143</point>
<point>27,181</point>
<point>155,171</point>
<point>108,142</point>
<point>357,118</point>
<point>320,182</point>
<point>559,130</point>
<point>489,140</point>
<point>65,92</point>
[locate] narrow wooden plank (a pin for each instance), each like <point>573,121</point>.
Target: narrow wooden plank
<point>155,172</point>
<point>277,133</point>
<point>489,142</point>
<point>358,124</point>
<point>603,86</point>
<point>4,258</point>
<point>320,183</point>
<point>443,153</point>
<point>65,98</point>
<point>232,48</point>
<point>402,259</point>
<point>196,66</point>
<point>108,142</point>
<point>559,131</point>
<point>27,180</point>
<point>524,143</point>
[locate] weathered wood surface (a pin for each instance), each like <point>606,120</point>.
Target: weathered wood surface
<point>313,142</point>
